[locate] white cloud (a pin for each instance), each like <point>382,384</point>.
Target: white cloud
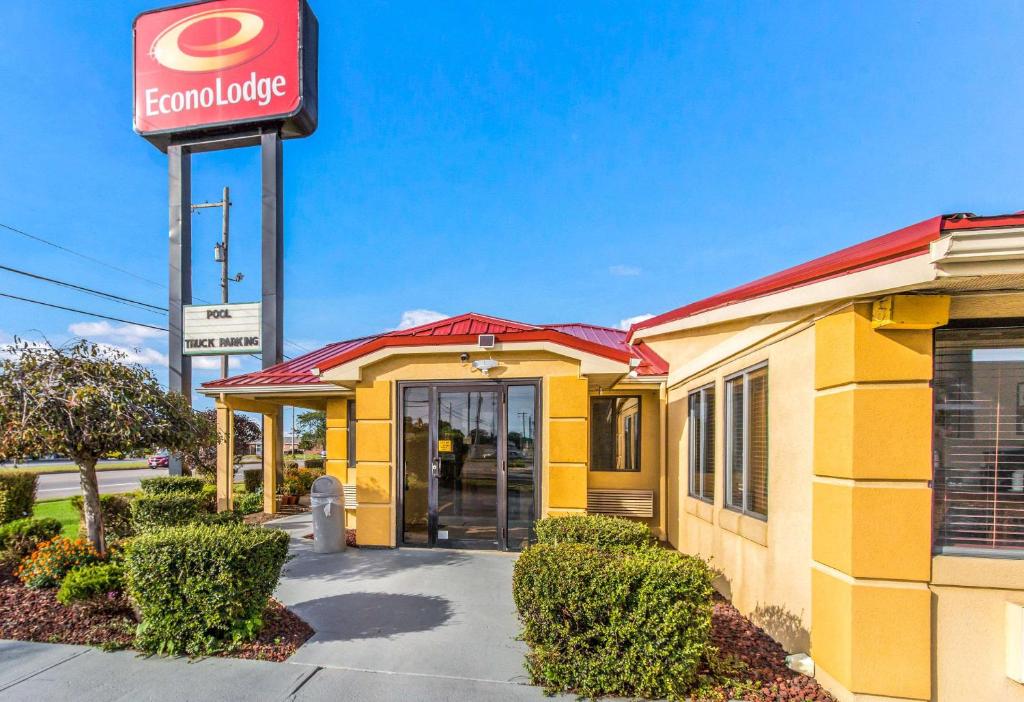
<point>622,270</point>
<point>123,333</point>
<point>414,318</point>
<point>626,323</point>
<point>140,355</point>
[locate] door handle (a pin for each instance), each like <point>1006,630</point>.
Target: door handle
<point>435,467</point>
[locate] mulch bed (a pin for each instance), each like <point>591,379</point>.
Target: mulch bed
<point>766,669</point>
<point>350,538</point>
<point>35,615</point>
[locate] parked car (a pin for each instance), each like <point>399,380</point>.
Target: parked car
<point>160,459</point>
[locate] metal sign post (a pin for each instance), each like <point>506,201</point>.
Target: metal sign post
<point>179,186</point>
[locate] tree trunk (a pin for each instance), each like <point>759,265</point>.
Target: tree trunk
<point>91,504</point>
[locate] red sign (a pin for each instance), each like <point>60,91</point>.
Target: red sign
<point>223,63</point>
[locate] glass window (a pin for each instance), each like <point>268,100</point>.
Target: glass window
<point>521,440</point>
<point>746,441</point>
<point>615,433</point>
<point>979,441</point>
<point>702,444</point>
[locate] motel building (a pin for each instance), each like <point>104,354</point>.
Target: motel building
<point>843,440</point>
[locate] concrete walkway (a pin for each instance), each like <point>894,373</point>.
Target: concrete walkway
<point>437,613</point>
<point>431,626</point>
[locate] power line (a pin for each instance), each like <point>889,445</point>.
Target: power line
<point>111,266</point>
<point>99,293</point>
<point>77,311</point>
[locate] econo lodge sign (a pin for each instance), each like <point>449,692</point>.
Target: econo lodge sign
<point>223,65</point>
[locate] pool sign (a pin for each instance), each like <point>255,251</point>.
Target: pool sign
<point>222,65</point>
<point>222,329</point>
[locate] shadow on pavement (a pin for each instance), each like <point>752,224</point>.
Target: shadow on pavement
<point>373,615</point>
<point>356,564</point>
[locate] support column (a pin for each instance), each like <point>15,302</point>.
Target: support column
<point>179,293</point>
<point>273,457</point>
<point>375,514</point>
<point>225,456</point>
<point>337,449</point>
<point>871,547</point>
<point>566,466</point>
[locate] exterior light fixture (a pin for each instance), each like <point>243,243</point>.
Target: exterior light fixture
<point>485,365</point>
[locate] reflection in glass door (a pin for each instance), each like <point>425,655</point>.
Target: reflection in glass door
<point>467,459</point>
<point>469,464</point>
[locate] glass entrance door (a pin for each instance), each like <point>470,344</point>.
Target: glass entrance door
<point>466,467</point>
<point>469,464</point>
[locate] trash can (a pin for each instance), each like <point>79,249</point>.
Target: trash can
<point>327,501</point>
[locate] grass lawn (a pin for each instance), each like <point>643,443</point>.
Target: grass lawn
<point>61,510</point>
<point>71,467</point>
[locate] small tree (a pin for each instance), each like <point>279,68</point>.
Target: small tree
<point>84,401</point>
<point>201,459</point>
<point>312,428</point>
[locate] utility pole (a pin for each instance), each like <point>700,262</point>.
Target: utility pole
<point>220,254</point>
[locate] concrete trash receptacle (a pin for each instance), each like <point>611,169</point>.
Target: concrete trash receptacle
<point>327,501</point>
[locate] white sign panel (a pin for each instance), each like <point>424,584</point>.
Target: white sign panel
<point>222,329</point>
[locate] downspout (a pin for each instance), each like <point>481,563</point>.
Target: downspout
<point>663,462</point>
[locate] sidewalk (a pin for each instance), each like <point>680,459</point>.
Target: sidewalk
<point>35,671</point>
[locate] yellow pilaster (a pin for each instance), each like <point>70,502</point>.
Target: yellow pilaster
<point>225,455</point>
<point>871,611</point>
<point>375,513</point>
<point>337,438</point>
<point>567,444</point>
<point>273,458</point>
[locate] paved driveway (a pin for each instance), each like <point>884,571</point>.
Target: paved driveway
<point>437,613</point>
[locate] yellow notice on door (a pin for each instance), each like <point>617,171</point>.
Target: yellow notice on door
<point>444,445</point>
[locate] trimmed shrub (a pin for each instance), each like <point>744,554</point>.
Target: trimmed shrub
<point>117,516</point>
<point>164,484</point>
<point>201,589</point>
<point>18,539</point>
<point>594,529</point>
<point>253,479</point>
<point>90,582</point>
<point>169,509</point>
<point>631,622</point>
<point>249,502</point>
<point>17,494</point>
<point>53,559</point>
<point>314,463</point>
<point>299,481</point>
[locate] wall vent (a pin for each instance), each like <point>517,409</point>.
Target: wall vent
<point>485,341</point>
<point>621,503</point>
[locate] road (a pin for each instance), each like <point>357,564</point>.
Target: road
<point>53,485</point>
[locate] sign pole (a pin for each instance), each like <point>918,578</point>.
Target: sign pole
<point>179,182</point>
<point>272,275</point>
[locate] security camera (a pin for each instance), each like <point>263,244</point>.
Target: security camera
<point>463,357</point>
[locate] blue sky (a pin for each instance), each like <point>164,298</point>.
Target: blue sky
<point>577,161</point>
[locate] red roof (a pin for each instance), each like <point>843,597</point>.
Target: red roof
<point>888,248</point>
<point>463,329</point>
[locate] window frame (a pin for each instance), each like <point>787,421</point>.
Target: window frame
<point>744,377</point>
<point>696,472</point>
<point>637,430</point>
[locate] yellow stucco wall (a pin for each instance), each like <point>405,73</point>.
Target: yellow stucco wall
<point>764,565</point>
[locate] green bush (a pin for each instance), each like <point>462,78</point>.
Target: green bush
<point>202,588</point>
<point>117,516</point>
<point>594,529</point>
<point>253,479</point>
<point>314,463</point>
<point>89,582</point>
<point>164,484</point>
<point>249,502</point>
<point>17,494</point>
<point>18,539</point>
<point>631,622</point>
<point>169,509</point>
<point>53,559</point>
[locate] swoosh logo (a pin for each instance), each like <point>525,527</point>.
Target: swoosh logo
<point>252,35</point>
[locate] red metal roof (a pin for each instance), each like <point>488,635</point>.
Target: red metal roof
<point>888,248</point>
<point>463,329</point>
